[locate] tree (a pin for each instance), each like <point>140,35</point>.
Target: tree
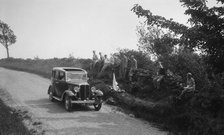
<point>206,32</point>
<point>7,36</point>
<point>156,41</point>
<point>159,21</point>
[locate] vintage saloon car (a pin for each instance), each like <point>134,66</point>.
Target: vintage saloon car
<point>69,84</point>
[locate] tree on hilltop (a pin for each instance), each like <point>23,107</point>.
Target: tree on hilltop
<point>7,36</point>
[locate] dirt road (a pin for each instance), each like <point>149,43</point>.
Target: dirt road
<point>30,91</point>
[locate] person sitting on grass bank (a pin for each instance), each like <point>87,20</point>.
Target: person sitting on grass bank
<point>160,75</point>
<point>190,85</point>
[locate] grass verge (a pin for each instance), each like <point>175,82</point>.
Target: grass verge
<point>11,122</point>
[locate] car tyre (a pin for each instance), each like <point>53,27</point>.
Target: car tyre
<point>99,105</point>
<point>51,98</point>
<point>68,103</point>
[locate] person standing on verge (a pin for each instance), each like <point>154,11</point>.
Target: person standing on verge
<point>133,66</point>
<point>123,66</point>
<point>101,61</point>
<point>106,63</point>
<point>160,74</point>
<point>95,59</point>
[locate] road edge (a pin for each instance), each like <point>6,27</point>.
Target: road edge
<point>34,126</point>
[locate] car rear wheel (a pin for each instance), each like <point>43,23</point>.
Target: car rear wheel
<point>68,103</point>
<point>51,98</point>
<point>99,104</point>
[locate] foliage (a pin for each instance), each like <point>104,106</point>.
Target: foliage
<point>7,36</point>
<point>198,113</point>
<point>155,20</point>
<point>160,22</point>
<point>156,41</point>
<point>186,61</point>
<point>206,31</point>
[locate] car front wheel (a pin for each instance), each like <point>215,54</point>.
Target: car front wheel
<point>68,103</point>
<point>99,104</point>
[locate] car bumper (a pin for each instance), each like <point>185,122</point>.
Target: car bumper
<point>84,101</point>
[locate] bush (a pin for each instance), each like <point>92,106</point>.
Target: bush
<point>185,62</point>
<point>201,114</point>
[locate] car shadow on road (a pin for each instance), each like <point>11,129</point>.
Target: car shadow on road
<point>56,106</point>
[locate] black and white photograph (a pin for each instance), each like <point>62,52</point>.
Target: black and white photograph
<point>111,67</point>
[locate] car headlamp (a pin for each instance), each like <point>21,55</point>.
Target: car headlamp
<point>93,89</point>
<point>76,89</point>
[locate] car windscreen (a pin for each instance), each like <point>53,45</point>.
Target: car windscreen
<point>76,76</point>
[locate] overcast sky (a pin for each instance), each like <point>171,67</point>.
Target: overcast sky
<point>57,28</point>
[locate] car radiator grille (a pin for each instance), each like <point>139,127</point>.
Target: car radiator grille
<point>85,92</point>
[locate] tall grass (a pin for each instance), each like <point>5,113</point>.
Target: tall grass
<point>10,122</point>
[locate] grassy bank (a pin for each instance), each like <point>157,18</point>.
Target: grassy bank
<point>11,122</point>
<point>149,110</point>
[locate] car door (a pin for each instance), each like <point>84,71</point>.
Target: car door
<point>56,83</point>
<point>61,84</point>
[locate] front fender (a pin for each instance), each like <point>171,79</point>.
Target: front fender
<point>69,93</point>
<point>98,93</point>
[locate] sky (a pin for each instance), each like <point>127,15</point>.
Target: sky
<point>59,28</point>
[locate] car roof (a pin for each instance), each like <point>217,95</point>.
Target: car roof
<point>66,69</point>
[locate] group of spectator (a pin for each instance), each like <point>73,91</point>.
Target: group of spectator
<point>102,61</point>
<point>126,65</point>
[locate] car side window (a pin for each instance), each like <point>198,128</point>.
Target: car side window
<point>61,76</point>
